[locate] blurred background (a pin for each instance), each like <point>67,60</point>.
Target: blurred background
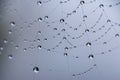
<point>59,39</point>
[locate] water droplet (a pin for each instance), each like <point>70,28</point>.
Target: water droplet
<point>60,42</point>
<point>104,42</point>
<point>45,39</point>
<point>108,20</point>
<point>62,20</point>
<point>65,54</point>
<point>102,52</point>
<point>54,28</point>
<point>1,48</point>
<point>12,24</point>
<point>5,41</point>
<point>10,56</point>
<point>82,2</point>
<point>117,35</point>
<point>76,57</point>
<point>24,49</point>
<point>85,16</point>
<point>101,5</point>
<point>73,75</point>
<point>74,46</point>
<point>66,48</point>
<point>40,19</point>
<point>91,56</point>
<point>39,32</point>
<point>74,11</point>
<point>38,40</point>
<point>63,30</point>
<point>25,40</point>
<point>75,29</point>
<point>86,30</point>
<point>110,5</point>
<point>9,31</point>
<point>95,65</point>
<point>16,47</point>
<point>58,34</point>
<point>88,44</point>
<point>109,50</point>
<point>46,17</point>
<point>61,2</point>
<point>48,50</point>
<point>39,47</point>
<point>64,37</point>
<point>36,69</point>
<point>94,31</point>
<point>39,3</point>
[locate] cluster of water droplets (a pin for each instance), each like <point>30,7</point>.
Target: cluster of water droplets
<point>66,37</point>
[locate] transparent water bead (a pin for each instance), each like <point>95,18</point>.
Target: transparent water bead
<point>39,3</point>
<point>101,5</point>
<point>66,48</point>
<point>12,24</point>
<point>65,54</point>
<point>85,16</point>
<point>39,32</point>
<point>117,35</point>
<point>88,44</point>
<point>64,37</point>
<point>5,41</point>
<point>17,46</point>
<point>91,56</point>
<point>36,69</point>
<point>25,49</point>
<point>1,48</point>
<point>87,30</point>
<point>38,40</point>
<point>10,56</point>
<point>82,2</point>
<point>108,20</point>
<point>39,47</point>
<point>104,42</point>
<point>9,31</point>
<point>40,19</point>
<point>46,17</point>
<point>62,20</point>
<point>63,30</point>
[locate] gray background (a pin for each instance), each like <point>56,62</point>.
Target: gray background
<point>20,40</point>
